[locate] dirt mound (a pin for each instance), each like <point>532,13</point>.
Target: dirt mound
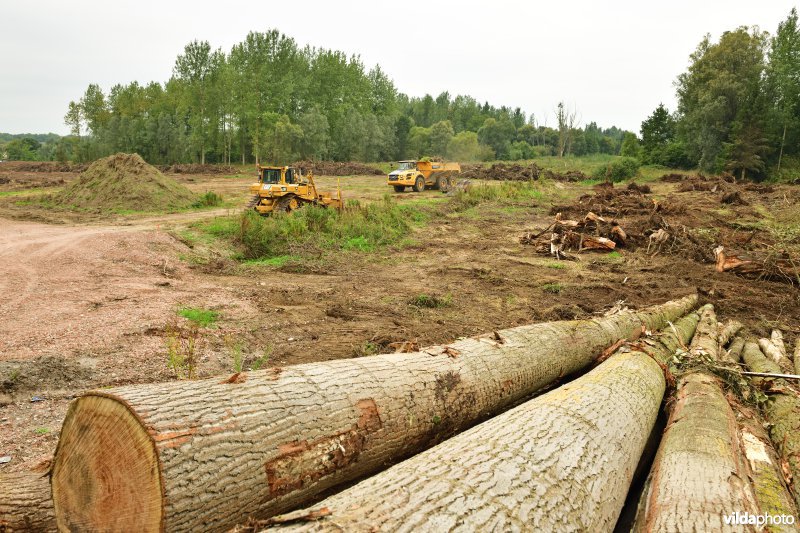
<point>198,169</point>
<point>42,166</point>
<point>338,168</point>
<point>517,172</point>
<point>125,182</point>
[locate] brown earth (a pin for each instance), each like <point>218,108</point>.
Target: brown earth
<point>517,172</point>
<point>88,306</point>
<point>338,168</point>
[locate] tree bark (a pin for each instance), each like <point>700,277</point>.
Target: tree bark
<point>735,351</point>
<point>782,411</point>
<point>207,454</point>
<point>700,472</point>
<point>797,357</point>
<point>728,331</point>
<point>25,503</point>
<point>772,351</point>
<point>769,486</point>
<point>561,462</point>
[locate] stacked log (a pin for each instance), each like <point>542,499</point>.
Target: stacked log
<point>782,411</point>
<point>562,461</point>
<point>702,472</point>
<point>206,455</point>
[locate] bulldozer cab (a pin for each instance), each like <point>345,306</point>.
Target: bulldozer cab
<point>270,175</point>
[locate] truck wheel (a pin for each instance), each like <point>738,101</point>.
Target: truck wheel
<point>399,188</point>
<point>419,184</point>
<point>443,183</point>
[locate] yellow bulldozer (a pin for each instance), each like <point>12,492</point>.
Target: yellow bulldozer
<point>285,189</point>
<point>420,175</point>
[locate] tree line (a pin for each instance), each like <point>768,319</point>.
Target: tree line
<point>738,106</point>
<point>268,99</point>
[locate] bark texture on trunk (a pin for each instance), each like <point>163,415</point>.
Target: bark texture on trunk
<point>700,473</point>
<point>727,332</point>
<point>561,462</point>
<point>25,503</point>
<point>782,412</point>
<point>735,350</point>
<point>774,352</point>
<point>205,455</point>
<point>797,357</point>
<point>772,495</point>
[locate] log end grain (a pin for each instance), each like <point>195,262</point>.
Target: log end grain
<point>106,474</point>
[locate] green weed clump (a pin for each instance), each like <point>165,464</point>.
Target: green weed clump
<point>202,317</point>
<point>623,169</point>
<point>503,191</point>
<point>431,302</point>
<point>553,288</point>
<point>358,227</point>
<point>209,199</point>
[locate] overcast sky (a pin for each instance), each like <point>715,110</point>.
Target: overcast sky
<point>612,61</point>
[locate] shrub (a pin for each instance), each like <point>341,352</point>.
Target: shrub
<point>209,199</point>
<point>620,170</point>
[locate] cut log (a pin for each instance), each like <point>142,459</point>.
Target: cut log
<point>561,462</point>
<point>735,350</point>
<point>782,411</point>
<point>769,486</point>
<point>773,352</point>
<point>776,338</point>
<point>727,332</point>
<point>797,356</point>
<point>700,472</point>
<point>706,340</point>
<point>25,503</point>
<point>205,455</point>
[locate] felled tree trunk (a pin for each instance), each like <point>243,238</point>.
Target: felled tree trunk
<point>783,269</point>
<point>782,411</point>
<point>561,462</point>
<point>735,350</point>
<point>25,503</point>
<point>764,467</point>
<point>797,357</point>
<point>205,455</point>
<point>774,352</point>
<point>700,472</point>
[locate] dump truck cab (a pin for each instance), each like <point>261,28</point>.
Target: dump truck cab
<point>285,189</point>
<point>420,175</point>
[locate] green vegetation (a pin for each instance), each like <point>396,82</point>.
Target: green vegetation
<point>313,229</point>
<point>41,431</point>
<point>431,302</point>
<point>504,191</point>
<point>553,288</point>
<point>202,317</point>
<point>272,98</point>
<point>209,199</point>
<point>182,345</point>
<point>275,262</point>
<point>620,170</point>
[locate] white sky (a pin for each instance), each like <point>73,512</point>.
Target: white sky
<point>612,61</point>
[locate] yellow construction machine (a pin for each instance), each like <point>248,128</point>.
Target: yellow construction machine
<point>420,175</point>
<point>285,189</point>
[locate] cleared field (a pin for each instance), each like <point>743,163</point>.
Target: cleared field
<point>96,299</point>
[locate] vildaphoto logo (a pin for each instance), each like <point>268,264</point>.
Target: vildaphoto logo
<point>742,519</point>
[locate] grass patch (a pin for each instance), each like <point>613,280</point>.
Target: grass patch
<point>41,431</point>
<point>202,317</point>
<point>209,199</point>
<point>431,302</point>
<point>361,228</point>
<point>556,266</point>
<point>504,191</point>
<point>275,262</point>
<point>553,288</point>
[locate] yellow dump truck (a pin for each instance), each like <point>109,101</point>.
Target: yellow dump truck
<point>285,189</point>
<point>420,175</point>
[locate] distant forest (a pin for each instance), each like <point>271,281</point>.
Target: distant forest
<point>269,99</point>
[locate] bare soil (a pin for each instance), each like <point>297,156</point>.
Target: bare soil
<point>87,303</point>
